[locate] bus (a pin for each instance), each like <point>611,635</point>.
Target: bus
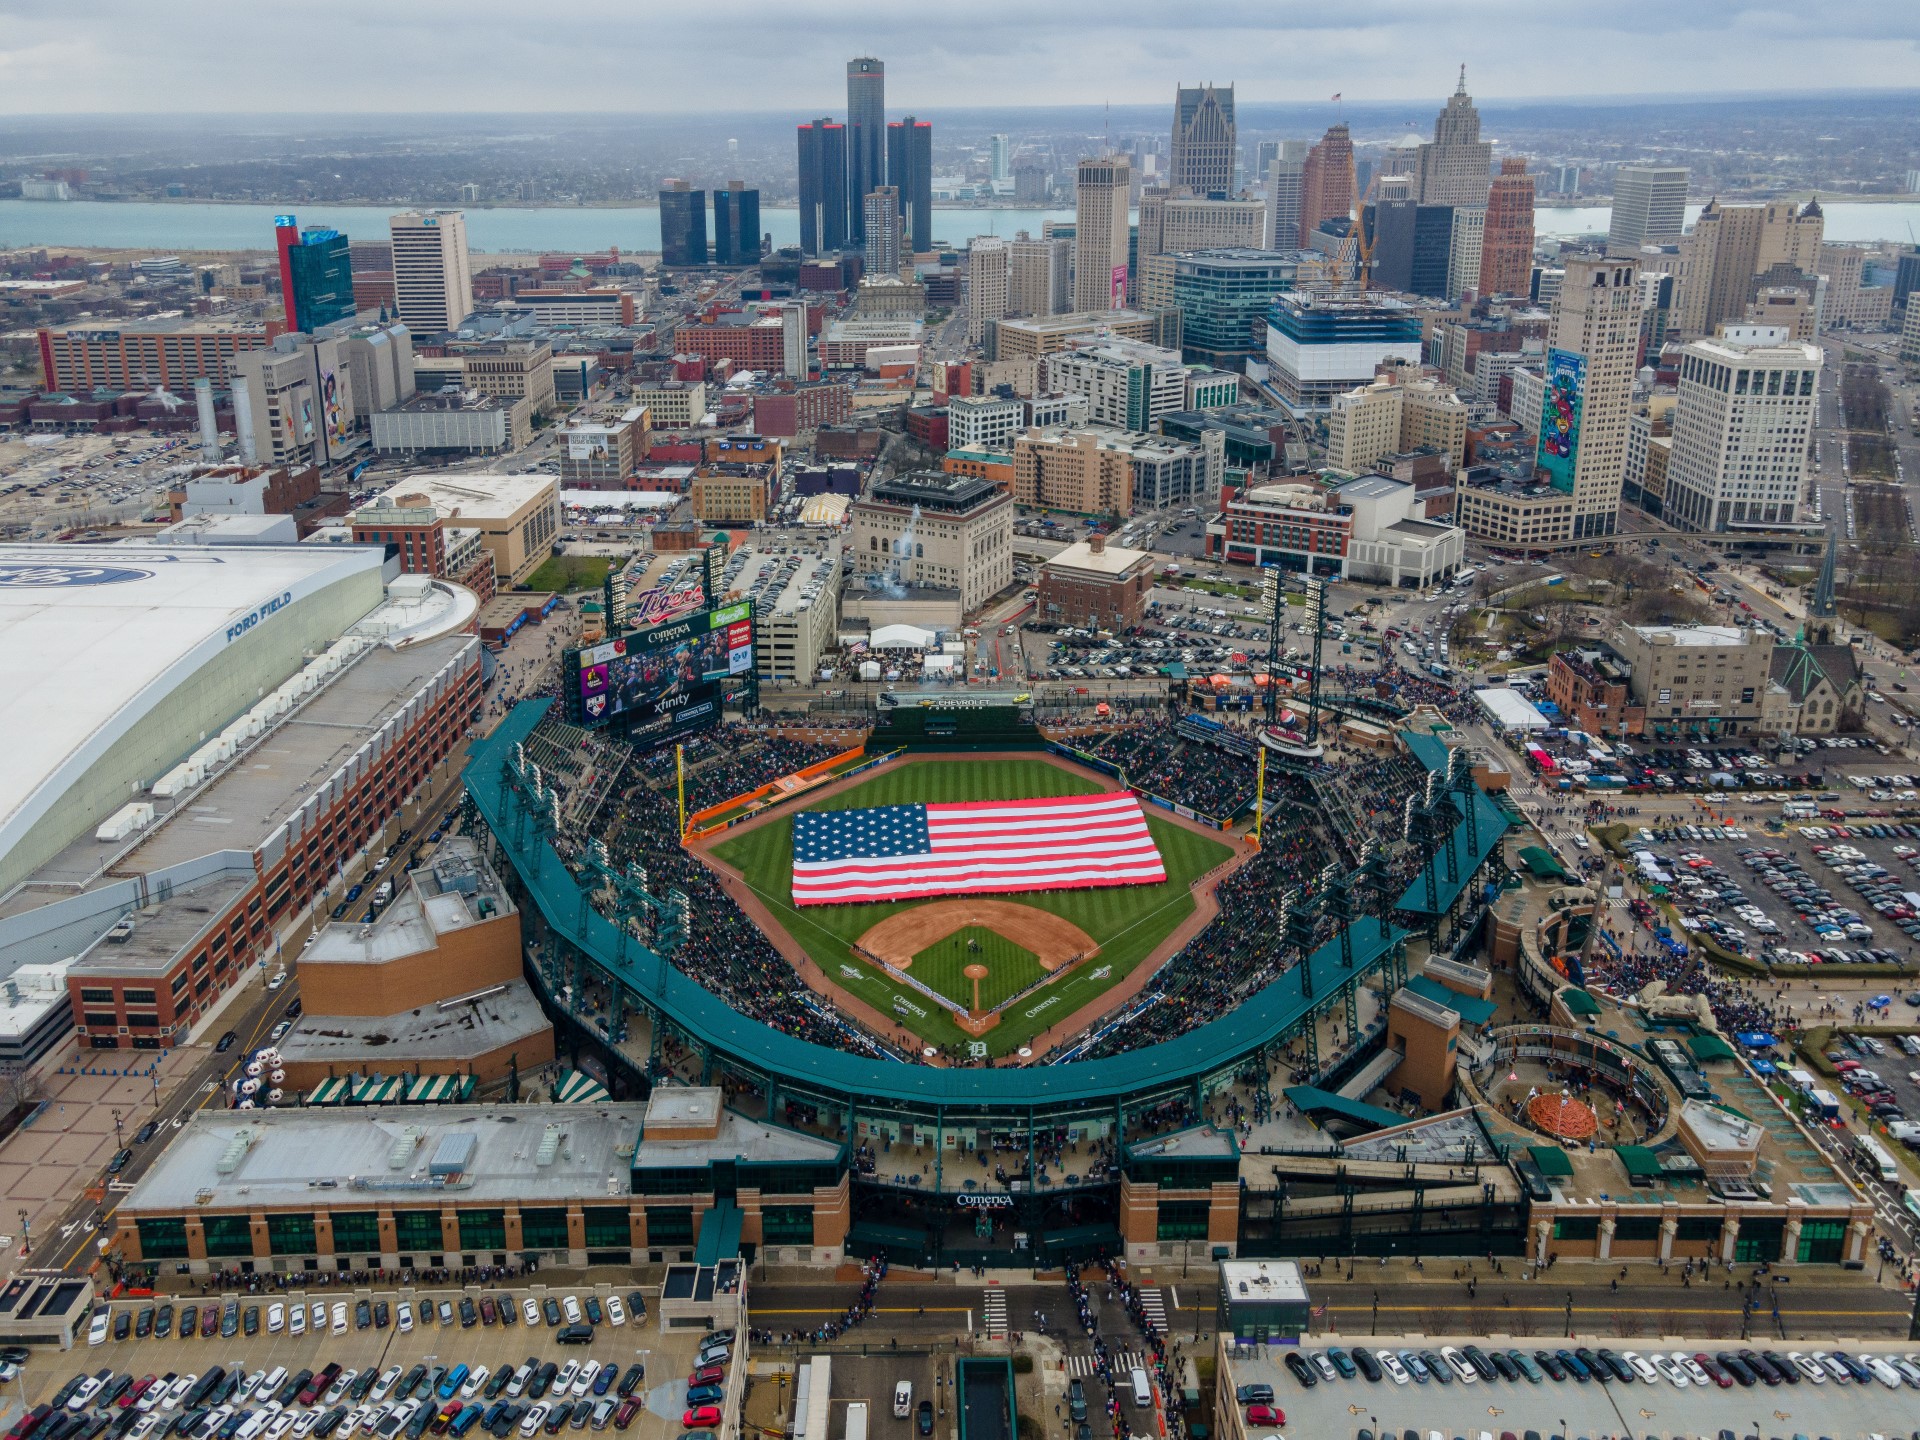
<point>1872,1157</point>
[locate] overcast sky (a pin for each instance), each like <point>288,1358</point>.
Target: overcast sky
<point>717,55</point>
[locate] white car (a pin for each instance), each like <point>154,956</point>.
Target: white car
<point>278,1427</point>
<point>143,1427</point>
<point>319,1316</point>
<point>535,1416</point>
<point>97,1331</point>
<point>516,1387</point>
<point>403,1317</point>
<point>1460,1365</point>
<point>271,1381</point>
<point>1641,1366</point>
<point>339,1386</point>
<point>297,1320</point>
<point>531,1311</point>
<point>1670,1368</point>
<point>1882,1371</point>
<point>1695,1371</point>
<point>476,1377</point>
<point>383,1387</point>
<point>82,1397</point>
<point>1816,1373</point>
<point>303,1424</point>
<point>339,1317</point>
<point>1832,1366</point>
<point>276,1318</point>
<point>616,1312</point>
<point>350,1422</point>
<point>570,1307</point>
<point>563,1379</point>
<point>1390,1363</point>
<point>583,1382</point>
<point>177,1391</point>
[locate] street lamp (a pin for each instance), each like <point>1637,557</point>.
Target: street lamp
<point>26,1232</point>
<point>118,1141</point>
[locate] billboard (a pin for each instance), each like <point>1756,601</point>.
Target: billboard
<point>665,681</point>
<point>1117,289</point>
<point>1560,416</point>
<point>330,405</point>
<point>589,446</point>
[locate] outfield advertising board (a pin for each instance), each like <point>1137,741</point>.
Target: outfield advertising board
<point>667,680</point>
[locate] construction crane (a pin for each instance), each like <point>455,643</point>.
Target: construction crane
<point>1355,256</point>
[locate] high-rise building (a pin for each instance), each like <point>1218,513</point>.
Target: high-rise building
<point>1729,247</point>
<point>999,158</point>
<point>881,226</point>
<point>1456,166</point>
<point>432,275</point>
<point>1412,246</point>
<point>1032,183</point>
<point>1171,223</point>
<point>1204,141</point>
<point>1128,385</point>
<point>866,138</point>
<point>1906,278</point>
<point>1222,297</point>
<point>1506,241</point>
<point>1742,427</point>
<point>736,225</point>
<point>823,187</point>
<point>683,225</point>
<point>1284,174</point>
<point>987,276</point>
<point>1039,275</point>
<point>1326,181</point>
<point>1649,206</point>
<point>910,172</point>
<point>1463,249</point>
<point>316,274</point>
<point>1102,189</point>
<point>1593,349</point>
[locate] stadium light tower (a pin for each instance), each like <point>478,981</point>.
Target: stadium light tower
<point>1316,621</point>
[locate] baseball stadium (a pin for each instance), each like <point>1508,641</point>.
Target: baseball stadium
<point>1028,1070</point>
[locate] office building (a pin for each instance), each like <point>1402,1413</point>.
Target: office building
<point>316,274</point>
<point>1320,345</point>
<point>517,516</point>
<point>1906,277</point>
<point>1205,143</point>
<point>948,532</point>
<point>1078,472</point>
<point>293,403</point>
<point>1729,247</point>
<point>890,295</point>
<point>1032,182</point>
<point>999,158</point>
<point>1464,243</point>
<point>1696,676</point>
<point>988,274</point>
<point>1394,416</point>
<point>601,454</point>
<point>1742,428</point>
<point>513,369</point>
<point>881,229</point>
<point>1412,246</point>
<point>1286,175</point>
<point>672,404</point>
<point>432,275</point>
<point>1506,237</point>
<point>1592,353</point>
<point>683,225</point>
<point>823,187</point>
<point>1326,183</point>
<point>166,354</point>
<point>1039,275</point>
<point>451,421</point>
<point>984,422</point>
<point>1910,336</point>
<point>1128,385</point>
<point>1298,527</point>
<point>736,225</point>
<point>1171,222</point>
<point>1095,586</point>
<point>910,172</point>
<point>1455,167</point>
<point>1102,230</point>
<point>1649,206</point>
<point>866,140</point>
<point>1222,297</point>
<point>1041,335</point>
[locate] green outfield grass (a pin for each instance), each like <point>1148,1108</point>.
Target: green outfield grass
<point>941,967</point>
<point>1127,922</point>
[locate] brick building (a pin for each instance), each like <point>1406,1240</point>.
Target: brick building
<point>1095,586</point>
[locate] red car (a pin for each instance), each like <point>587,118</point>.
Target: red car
<point>708,1375</point>
<point>702,1417</point>
<point>135,1391</point>
<point>623,1417</point>
<point>1714,1371</point>
<point>1265,1415</point>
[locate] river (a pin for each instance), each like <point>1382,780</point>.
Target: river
<point>186,225</point>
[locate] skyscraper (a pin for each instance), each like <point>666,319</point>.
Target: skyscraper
<point>1593,348</point>
<point>1454,166</point>
<point>1039,275</point>
<point>1326,181</point>
<point>316,274</point>
<point>910,171</point>
<point>1739,448</point>
<point>1506,244</point>
<point>683,225</point>
<point>1284,176</point>
<point>1204,141</point>
<point>823,187</point>
<point>1728,247</point>
<point>1102,189</point>
<point>736,225</point>
<point>1000,158</point>
<point>432,275</point>
<point>987,277</point>
<point>866,138</point>
<point>881,225</point>
<point>1649,206</point>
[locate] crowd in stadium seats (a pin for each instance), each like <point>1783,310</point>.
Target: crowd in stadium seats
<point>1154,758</point>
<point>738,757</point>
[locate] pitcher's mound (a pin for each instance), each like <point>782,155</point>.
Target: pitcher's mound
<point>1053,940</point>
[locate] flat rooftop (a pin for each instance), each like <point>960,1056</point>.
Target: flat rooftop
<point>1705,635</point>
<point>739,1139</point>
<point>295,1155</point>
<point>1110,561</point>
<point>478,497</point>
<point>455,891</point>
<point>456,1029</point>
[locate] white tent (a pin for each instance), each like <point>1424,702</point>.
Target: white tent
<point>1510,710</point>
<point>901,637</point>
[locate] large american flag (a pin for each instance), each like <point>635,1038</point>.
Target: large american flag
<point>981,847</point>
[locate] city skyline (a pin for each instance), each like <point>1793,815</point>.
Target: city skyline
<point>104,57</point>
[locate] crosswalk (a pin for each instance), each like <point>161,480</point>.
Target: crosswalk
<point>1156,1310</point>
<point>993,1308</point>
<point>1081,1367</point>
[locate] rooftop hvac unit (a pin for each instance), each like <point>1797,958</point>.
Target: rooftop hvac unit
<point>236,1151</point>
<point>404,1144</point>
<point>125,821</point>
<point>175,782</point>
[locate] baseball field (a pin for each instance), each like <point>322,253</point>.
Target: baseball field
<point>1125,923</point>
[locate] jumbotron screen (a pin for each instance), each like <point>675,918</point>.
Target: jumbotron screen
<point>665,681</point>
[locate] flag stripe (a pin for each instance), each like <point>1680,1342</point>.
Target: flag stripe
<point>980,847</point>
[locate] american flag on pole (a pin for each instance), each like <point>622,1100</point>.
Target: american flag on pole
<point>978,847</point>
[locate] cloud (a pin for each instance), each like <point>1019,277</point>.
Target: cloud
<point>752,55</point>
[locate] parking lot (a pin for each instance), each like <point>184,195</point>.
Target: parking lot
<point>444,1335</point>
<point>1347,1408</point>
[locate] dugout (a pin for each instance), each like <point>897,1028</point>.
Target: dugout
<point>955,721</point>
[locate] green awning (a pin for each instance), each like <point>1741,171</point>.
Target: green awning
<point>1540,862</point>
<point>1552,1160</point>
<point>370,1091</point>
<point>433,1089</point>
<point>328,1092</point>
<point>1578,1001</point>
<point>1470,1008</point>
<point>719,1234</point>
<point>1639,1162</point>
<point>577,1087</point>
<point>1317,1104</point>
<point>1711,1047</point>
